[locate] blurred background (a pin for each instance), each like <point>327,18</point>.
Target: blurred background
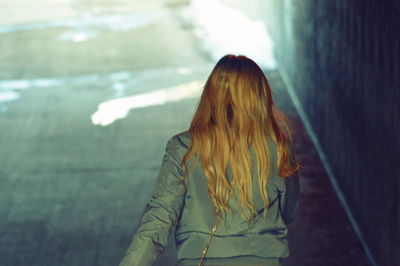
<point>91,90</point>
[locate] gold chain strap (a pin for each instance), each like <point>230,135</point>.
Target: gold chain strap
<point>205,249</point>
<point>204,252</point>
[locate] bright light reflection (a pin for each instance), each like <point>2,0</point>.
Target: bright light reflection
<point>227,30</point>
<point>109,111</point>
<point>7,96</point>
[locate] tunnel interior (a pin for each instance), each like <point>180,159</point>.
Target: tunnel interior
<point>90,90</point>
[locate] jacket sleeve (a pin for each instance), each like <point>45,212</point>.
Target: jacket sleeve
<point>290,198</point>
<point>160,214</point>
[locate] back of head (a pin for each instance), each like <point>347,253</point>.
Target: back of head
<point>236,110</point>
<point>238,95</point>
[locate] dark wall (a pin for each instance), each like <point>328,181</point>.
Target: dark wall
<point>342,59</point>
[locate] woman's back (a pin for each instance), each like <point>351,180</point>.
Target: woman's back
<point>266,238</point>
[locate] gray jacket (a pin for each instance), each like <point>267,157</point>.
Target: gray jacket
<point>190,209</point>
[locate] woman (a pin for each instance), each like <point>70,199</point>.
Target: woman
<point>233,169</point>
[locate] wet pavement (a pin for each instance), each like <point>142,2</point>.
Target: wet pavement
<point>85,116</point>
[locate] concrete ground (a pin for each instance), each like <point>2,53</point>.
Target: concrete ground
<point>72,192</point>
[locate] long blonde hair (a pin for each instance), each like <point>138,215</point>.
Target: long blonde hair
<point>236,110</point>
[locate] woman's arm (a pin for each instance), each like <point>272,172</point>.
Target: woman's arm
<point>161,212</point>
<point>290,197</point>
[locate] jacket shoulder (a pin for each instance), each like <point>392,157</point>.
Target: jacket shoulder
<point>183,139</point>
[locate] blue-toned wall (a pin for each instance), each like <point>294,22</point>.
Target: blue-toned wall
<point>341,59</point>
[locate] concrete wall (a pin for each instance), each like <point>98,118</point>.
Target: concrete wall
<point>341,58</point>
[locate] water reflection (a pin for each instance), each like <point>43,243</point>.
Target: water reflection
<point>112,110</point>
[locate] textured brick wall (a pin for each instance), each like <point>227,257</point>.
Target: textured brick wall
<point>342,58</point>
